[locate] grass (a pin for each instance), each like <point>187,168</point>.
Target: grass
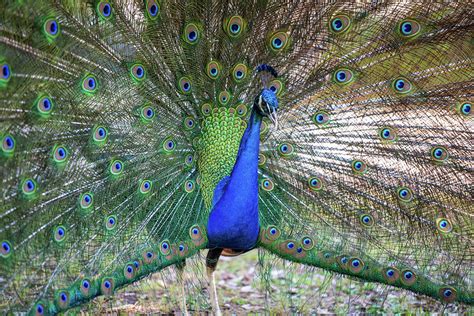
<point>291,289</point>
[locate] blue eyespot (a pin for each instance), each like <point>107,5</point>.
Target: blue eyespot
<point>106,10</point>
<point>63,297</point>
<point>39,309</point>
<point>337,24</point>
<point>355,263</point>
<point>290,245</point>
<point>367,220</point>
<point>137,71</point>
<point>129,269</point>
<point>340,23</point>
<point>192,36</point>
<point>8,145</point>
<point>390,273</point>
<point>343,76</point>
<point>195,231</point>
<point>89,84</point>
<point>402,85</point>
<point>405,194</point>
<point>344,260</point>
<point>149,254</point>
<point>107,284</point>
<point>409,28</point>
<point>85,284</point>
<point>99,135</point>
<point>6,249</point>
<point>277,43</point>
<point>28,187</point>
<point>273,231</point>
<point>153,9</point>
<point>408,275</point>
<point>51,27</point>
<point>165,245</point>
<point>181,248</point>
<point>5,72</point>
<point>299,250</point>
<point>406,28</point>
<point>466,108</point>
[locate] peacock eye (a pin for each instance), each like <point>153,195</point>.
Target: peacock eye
<point>213,69</point>
<point>153,9</point>
<point>104,9</point>
<point>165,248</point>
<point>340,23</point>
<point>276,86</point>
<point>51,28</point>
<point>44,105</point>
<point>99,134</point>
<point>356,265</point>
<point>279,41</point>
<point>8,144</point>
<point>5,75</point>
<point>267,185</point>
<point>191,34</point>
<point>63,299</point>
<point>343,76</point>
<point>290,245</point>
<point>189,186</point>
<point>448,294</point>
<point>315,183</point>
<point>129,271</point>
<point>39,308</point>
<point>59,233</point>
<point>110,222</point>
<point>89,84</point>
<point>184,85</point>
<point>444,225</point>
<point>181,248</point>
<point>402,86</point>
<point>465,109</point>
<point>405,194</point>
<point>359,166</point>
<point>409,28</point>
<point>169,145</point>
<point>239,72</point>
<point>107,286</point>
<point>367,220</point>
<point>224,97</point>
<point>147,113</point>
<point>286,150</point>
<point>234,26</point>
<point>85,286</point>
<point>320,118</point>
<point>116,167</point>
<point>307,243</point>
<point>137,71</point>
<point>439,154</point>
<point>387,134</point>
<point>206,109</point>
<point>86,200</point>
<point>6,249</point>
<point>241,109</point>
<point>189,123</point>
<point>145,186</point>
<point>28,187</point>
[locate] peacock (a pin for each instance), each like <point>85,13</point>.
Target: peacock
<point>137,134</point>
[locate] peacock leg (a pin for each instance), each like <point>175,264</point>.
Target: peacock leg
<point>211,263</point>
<point>180,269</point>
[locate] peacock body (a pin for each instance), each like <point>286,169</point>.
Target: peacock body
<point>135,134</point>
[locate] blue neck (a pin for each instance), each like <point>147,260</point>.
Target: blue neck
<point>233,221</point>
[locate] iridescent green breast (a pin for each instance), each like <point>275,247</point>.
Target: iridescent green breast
<point>217,148</point>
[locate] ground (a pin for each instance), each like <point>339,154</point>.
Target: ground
<point>241,292</point>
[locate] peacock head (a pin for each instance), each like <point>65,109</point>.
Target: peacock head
<point>266,104</point>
